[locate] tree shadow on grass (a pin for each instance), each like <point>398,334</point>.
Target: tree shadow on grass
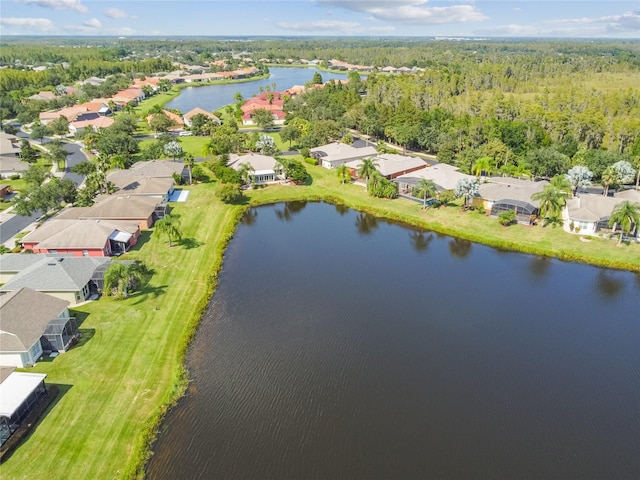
<point>149,293</point>
<point>189,243</point>
<point>144,237</point>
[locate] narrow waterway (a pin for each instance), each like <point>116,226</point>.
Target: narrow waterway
<point>340,346</point>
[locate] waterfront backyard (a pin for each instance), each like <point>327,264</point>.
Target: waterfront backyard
<point>118,383</point>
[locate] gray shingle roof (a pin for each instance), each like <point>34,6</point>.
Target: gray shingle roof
<point>60,233</point>
<point>24,316</point>
<point>56,274</point>
<point>503,188</point>
<point>16,262</point>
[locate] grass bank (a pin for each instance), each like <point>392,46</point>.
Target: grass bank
<point>129,367</point>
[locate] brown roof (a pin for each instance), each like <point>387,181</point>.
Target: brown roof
<point>79,233</point>
<point>197,111</point>
<point>24,315</point>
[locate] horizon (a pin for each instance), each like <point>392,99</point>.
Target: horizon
<point>517,19</point>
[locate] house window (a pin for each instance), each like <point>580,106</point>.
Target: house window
<point>53,251</point>
<point>85,253</point>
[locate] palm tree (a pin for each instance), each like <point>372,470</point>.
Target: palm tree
<point>120,277</point>
<point>238,97</point>
<point>562,184</point>
<point>170,226</point>
<point>426,189</point>
<point>343,173</point>
<point>367,169</point>
<point>610,178</point>
<point>551,202</point>
<point>189,162</point>
<point>626,215</point>
<point>483,164</point>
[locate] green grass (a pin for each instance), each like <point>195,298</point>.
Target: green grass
<point>129,367</point>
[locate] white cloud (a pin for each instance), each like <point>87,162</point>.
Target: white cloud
<point>93,23</point>
<point>612,23</point>
<point>115,13</point>
<point>38,24</point>
<point>334,26</point>
<point>58,4</point>
<point>410,11</point>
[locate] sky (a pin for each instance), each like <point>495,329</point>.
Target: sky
<point>379,18</point>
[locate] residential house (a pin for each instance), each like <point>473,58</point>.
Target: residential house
<point>153,178</point>
<point>5,190</point>
<point>142,210</point>
<point>152,82</point>
<point>70,278</point>
<point>270,101</point>
<point>589,214</point>
<point>264,169</point>
<point>129,95</point>
<point>500,194</point>
<point>94,124</point>
<point>83,237</point>
<point>98,106</point>
<point>72,114</point>
<point>178,122</point>
<point>95,81</point>
<point>391,165</point>
<point>13,263</point>
<point>199,111</point>
<point>10,151</point>
<point>335,154</point>
<point>444,176</point>
<point>32,323</point>
<point>43,96</point>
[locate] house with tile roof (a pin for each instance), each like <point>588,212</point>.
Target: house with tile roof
<point>178,122</point>
<point>199,111</point>
<point>83,237</point>
<point>43,96</point>
<point>70,278</point>
<point>589,214</point>
<point>271,101</point>
<point>72,114</point>
<point>32,323</point>
<point>94,124</point>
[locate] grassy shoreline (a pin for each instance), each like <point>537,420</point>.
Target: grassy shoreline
<point>129,369</point>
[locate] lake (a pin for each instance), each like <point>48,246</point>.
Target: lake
<point>213,97</point>
<point>341,346</point>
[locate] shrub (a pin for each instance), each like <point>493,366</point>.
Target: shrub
<point>507,218</point>
<point>15,176</point>
<point>229,192</point>
<point>311,161</point>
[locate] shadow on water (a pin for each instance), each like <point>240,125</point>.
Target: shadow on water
<point>539,267</point>
<point>608,285</point>
<point>341,209</point>
<point>365,223</point>
<point>420,241</point>
<point>250,217</point>
<point>459,247</point>
<point>289,209</point>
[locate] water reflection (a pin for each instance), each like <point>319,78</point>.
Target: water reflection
<point>342,209</point>
<point>459,247</point>
<point>250,217</point>
<point>289,209</point>
<point>420,241</point>
<point>539,267</point>
<point>366,223</point>
<point>608,285</point>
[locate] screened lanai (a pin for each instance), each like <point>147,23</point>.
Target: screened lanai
<point>523,210</point>
<point>60,333</point>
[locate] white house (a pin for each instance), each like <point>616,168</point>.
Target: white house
<point>335,154</point>
<point>264,169</point>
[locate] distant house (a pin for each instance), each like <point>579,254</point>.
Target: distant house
<point>94,124</point>
<point>32,323</point>
<point>199,111</point>
<point>153,178</point>
<point>501,194</point>
<point>265,169</point>
<point>444,176</point>
<point>88,238</point>
<point>72,114</point>
<point>70,278</point>
<point>335,154</point>
<point>178,122</point>
<point>20,393</point>
<point>131,94</point>
<point>5,190</point>
<point>391,165</point>
<point>43,96</point>
<point>97,106</point>
<point>10,152</point>
<point>271,101</point>
<point>143,210</point>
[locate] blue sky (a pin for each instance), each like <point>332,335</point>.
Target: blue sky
<point>510,18</point>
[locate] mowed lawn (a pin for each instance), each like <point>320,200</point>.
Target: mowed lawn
<point>129,366</point>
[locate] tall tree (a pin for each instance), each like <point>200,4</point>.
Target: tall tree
<point>579,177</point>
<point>343,173</point>
<point>626,215</point>
<point>483,165</point>
<point>425,188</point>
<point>189,162</point>
<point>551,202</point>
<point>169,226</point>
<point>466,188</point>
<point>367,168</point>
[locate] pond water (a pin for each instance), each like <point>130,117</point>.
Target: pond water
<point>213,97</point>
<point>338,345</point>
